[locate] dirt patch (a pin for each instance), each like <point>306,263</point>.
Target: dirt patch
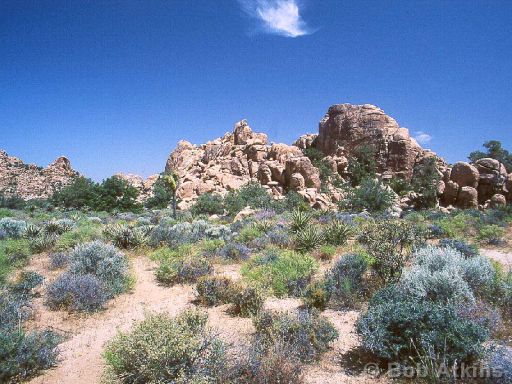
<point>504,258</point>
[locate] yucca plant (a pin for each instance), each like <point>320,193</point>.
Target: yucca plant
<point>300,220</point>
<point>337,233</point>
<point>43,242</point>
<point>308,239</point>
<point>32,231</point>
<point>264,225</point>
<point>124,236</point>
<point>58,227</point>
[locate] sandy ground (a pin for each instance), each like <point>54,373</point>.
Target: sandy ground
<point>500,256</point>
<point>81,354</point>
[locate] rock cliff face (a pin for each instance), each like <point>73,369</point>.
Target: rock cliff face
<point>29,181</point>
<point>347,126</point>
<point>229,162</point>
<point>144,186</point>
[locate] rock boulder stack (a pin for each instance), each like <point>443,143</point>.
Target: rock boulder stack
<point>29,181</point>
<point>229,162</point>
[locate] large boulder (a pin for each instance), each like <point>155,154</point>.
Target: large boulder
<point>467,198</point>
<point>465,174</point>
<point>346,127</point>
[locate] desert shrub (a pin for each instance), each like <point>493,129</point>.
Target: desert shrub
<point>43,242</point>
<point>182,233</point>
<point>116,194</point>
<point>248,234</point>
<point>362,164</point>
<point>299,220</point>
<point>11,202</point>
<point>26,282</point>
<point>162,196</point>
<point>390,243</point>
<point>431,314</point>
<point>12,227</point>
<point>292,201</point>
<point>399,329</point>
<point>371,195</point>
<point>105,262</point>
<point>283,272</point>
<point>83,233</point>
<point>211,248</point>
<point>274,365</point>
<point>208,204</point>
<point>23,355</point>
<point>326,252</point>
<point>491,234</point>
<point>466,249</point>
<point>17,251</point>
<point>81,193</point>
<point>458,225</point>
<point>162,349</point>
<point>424,183</point>
<point>306,334</point>
<point>317,295</point>
<point>251,194</point>
<point>58,260</point>
<point>344,281</point>
<point>80,293</point>
<point>337,233</point>
<point>495,151</point>
<point>58,227</point>
<point>247,301</point>
<point>125,236</point>
<point>278,237</point>
<point>213,290</point>
<point>183,270</point>
<point>500,362</point>
<point>235,252</point>
<point>308,239</point>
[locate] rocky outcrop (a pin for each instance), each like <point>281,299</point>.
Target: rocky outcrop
<point>144,186</point>
<point>229,162</point>
<point>490,185</point>
<point>29,181</point>
<point>346,127</point>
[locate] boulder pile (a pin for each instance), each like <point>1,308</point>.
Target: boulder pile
<point>29,181</point>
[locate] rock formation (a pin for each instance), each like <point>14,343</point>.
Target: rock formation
<point>29,181</point>
<point>485,183</point>
<point>347,126</point>
<point>229,162</point>
<point>144,186</point>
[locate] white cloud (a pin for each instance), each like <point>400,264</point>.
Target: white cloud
<point>280,17</point>
<point>422,137</point>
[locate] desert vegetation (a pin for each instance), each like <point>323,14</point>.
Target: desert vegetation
<point>419,288</point>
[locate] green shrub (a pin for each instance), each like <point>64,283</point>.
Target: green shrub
<point>285,272</point>
<point>162,349</point>
<point>162,196</point>
<point>306,334</point>
<point>247,301</point>
<point>11,202</point>
<point>208,204</point>
<point>317,295</point>
<point>390,243</point>
<point>58,227</point>
<point>457,225</point>
<point>491,234</point>
<point>327,252</point>
<point>362,164</point>
<point>371,195</point>
<point>43,242</point>
<point>344,281</point>
<point>183,270</point>
<point>85,232</point>
<point>424,183</point>
<point>251,194</point>
<point>214,290</point>
<point>105,262</point>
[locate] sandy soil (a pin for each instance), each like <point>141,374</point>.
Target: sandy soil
<point>81,353</point>
<point>502,257</point>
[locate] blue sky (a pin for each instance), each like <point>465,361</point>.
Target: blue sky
<point>114,85</point>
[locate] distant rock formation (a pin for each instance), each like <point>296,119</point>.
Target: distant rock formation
<point>29,181</point>
<point>347,126</point>
<point>229,162</point>
<point>144,186</point>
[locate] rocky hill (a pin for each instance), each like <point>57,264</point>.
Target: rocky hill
<point>29,181</point>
